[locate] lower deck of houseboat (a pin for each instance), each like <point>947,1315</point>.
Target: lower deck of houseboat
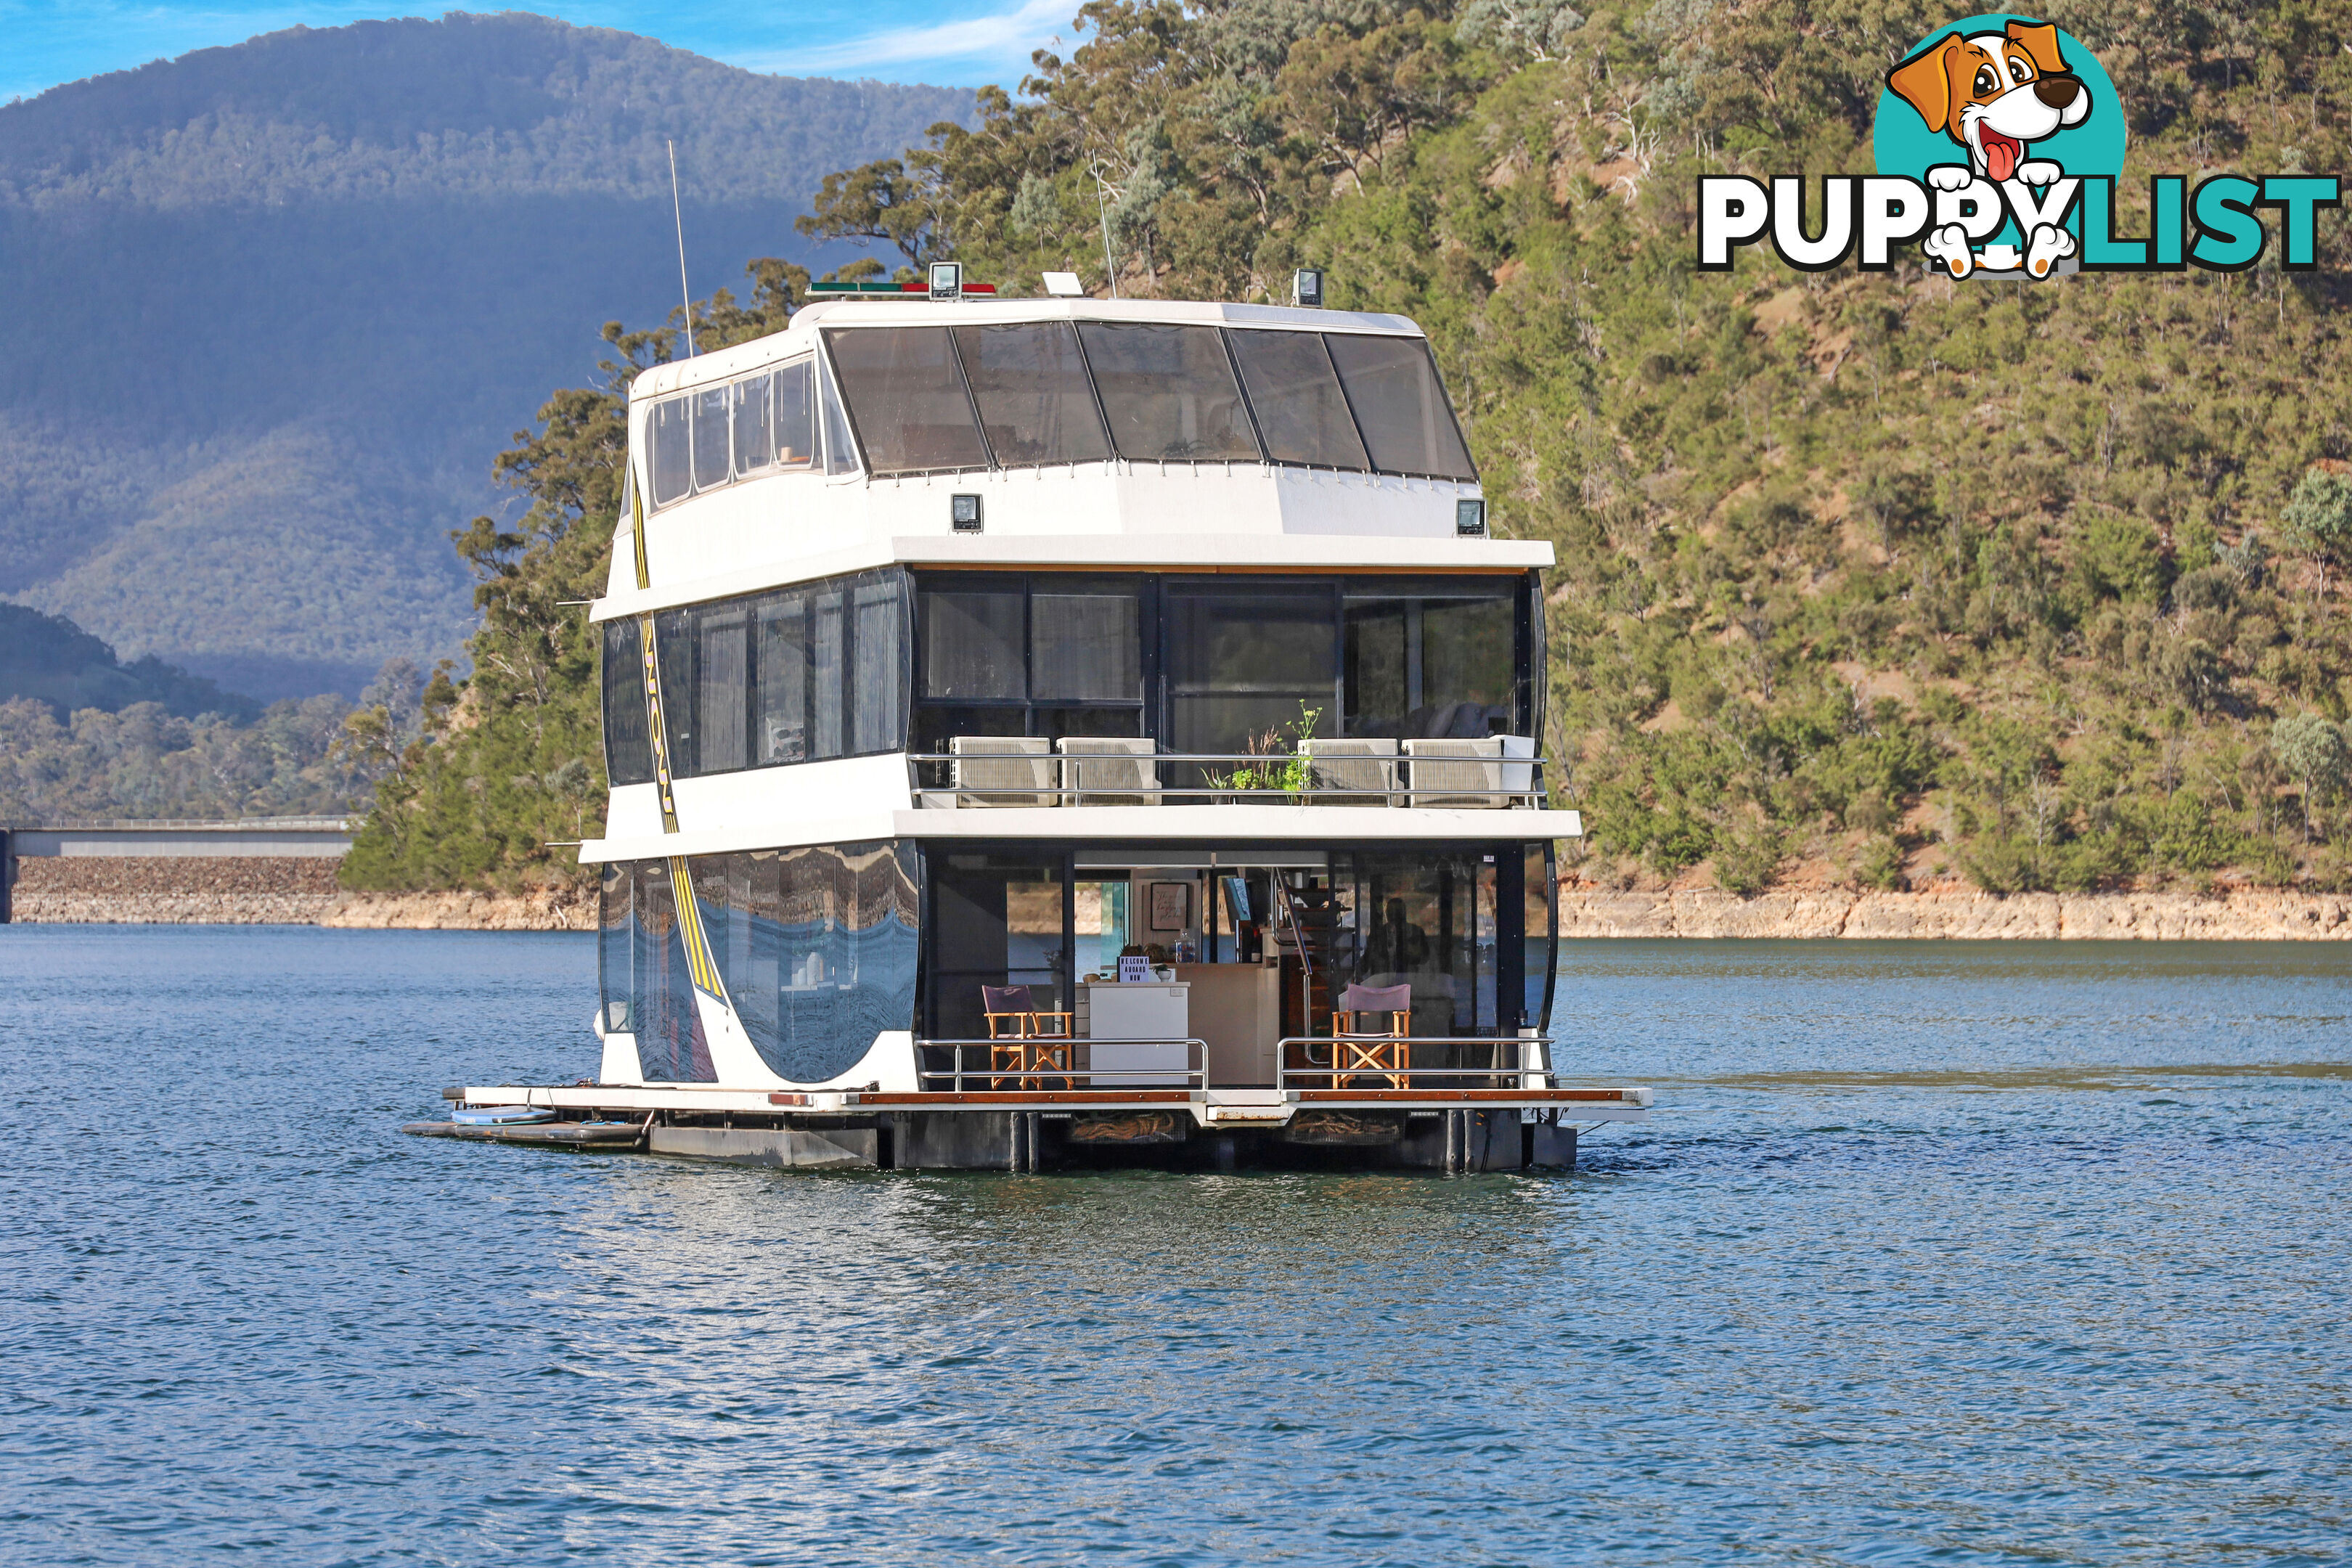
<point>948,1004</point>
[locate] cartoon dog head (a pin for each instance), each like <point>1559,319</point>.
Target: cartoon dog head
<point>1993,92</point>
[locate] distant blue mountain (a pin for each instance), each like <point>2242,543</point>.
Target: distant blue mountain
<point>50,659</point>
<point>273,309</point>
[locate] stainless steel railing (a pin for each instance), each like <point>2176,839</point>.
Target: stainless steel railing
<point>1044,1062</point>
<point>1411,1061</point>
<point>1058,778</point>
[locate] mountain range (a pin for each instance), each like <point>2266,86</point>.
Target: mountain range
<point>274,309</point>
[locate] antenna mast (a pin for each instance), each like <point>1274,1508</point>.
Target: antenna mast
<point>678,217</point>
<point>1110,273</point>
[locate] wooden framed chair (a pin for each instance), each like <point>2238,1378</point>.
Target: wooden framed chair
<point>1368,1030</point>
<point>1024,1041</point>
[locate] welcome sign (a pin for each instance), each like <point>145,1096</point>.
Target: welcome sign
<point>1999,141</point>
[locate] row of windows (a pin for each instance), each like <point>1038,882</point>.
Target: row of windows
<point>1052,653</point>
<point>1211,664</point>
<point>753,426</point>
<point>803,674</point>
<point>1026,394</point>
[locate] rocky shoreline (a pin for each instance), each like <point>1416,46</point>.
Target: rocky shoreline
<point>260,890</point>
<point>301,890</point>
<point>1959,916</point>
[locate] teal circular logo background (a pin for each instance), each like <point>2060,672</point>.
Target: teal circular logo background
<point>1904,145</point>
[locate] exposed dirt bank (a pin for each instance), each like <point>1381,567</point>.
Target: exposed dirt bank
<point>541,911</point>
<point>197,889</point>
<point>1961,916</point>
<point>301,890</point>
<point>261,890</point>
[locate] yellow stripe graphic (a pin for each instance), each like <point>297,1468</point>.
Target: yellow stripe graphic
<point>700,967</point>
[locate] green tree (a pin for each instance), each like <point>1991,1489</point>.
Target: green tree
<point>2318,520</point>
<point>2315,751</point>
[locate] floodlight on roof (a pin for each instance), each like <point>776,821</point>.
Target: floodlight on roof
<point>1064,286</point>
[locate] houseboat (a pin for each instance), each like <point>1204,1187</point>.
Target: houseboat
<point>1052,733</point>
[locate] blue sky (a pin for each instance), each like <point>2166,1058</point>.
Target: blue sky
<point>46,42</point>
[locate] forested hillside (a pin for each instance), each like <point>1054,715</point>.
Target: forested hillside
<point>270,307</point>
<point>1865,578</point>
<point>85,735</point>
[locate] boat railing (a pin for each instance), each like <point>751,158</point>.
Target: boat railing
<point>1056,1062</point>
<point>1411,1061</point>
<point>995,772</point>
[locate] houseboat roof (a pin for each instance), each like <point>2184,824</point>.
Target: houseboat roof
<point>679,375</point>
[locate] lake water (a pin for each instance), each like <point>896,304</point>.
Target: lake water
<point>1935,1253</point>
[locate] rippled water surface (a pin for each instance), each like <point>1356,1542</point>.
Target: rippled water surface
<point>1939,1253</point>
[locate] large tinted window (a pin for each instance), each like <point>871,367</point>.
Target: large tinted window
<point>1432,660</point>
<point>878,706</point>
<point>628,749</point>
<point>1246,660</point>
<point>816,948</point>
<point>997,921</point>
<point>780,679</point>
<point>1393,386</point>
<point>1297,399</point>
<point>670,433</point>
<point>800,674</point>
<point>1169,391</point>
<point>658,992</point>
<point>722,668</point>
<point>906,399</point>
<point>972,644</point>
<point>1084,644</point>
<point>616,944</point>
<point>1431,921</point>
<point>1031,387</point>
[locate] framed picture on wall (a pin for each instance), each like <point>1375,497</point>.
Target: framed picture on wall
<point>1172,905</point>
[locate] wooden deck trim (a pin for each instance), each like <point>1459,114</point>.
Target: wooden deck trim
<point>1461,1096</point>
<point>985,1097</point>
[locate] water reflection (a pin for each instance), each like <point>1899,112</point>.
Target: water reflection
<point>1976,1256</point>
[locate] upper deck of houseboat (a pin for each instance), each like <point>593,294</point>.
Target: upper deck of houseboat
<point>915,529</point>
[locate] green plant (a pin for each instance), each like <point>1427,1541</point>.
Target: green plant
<point>1286,768</point>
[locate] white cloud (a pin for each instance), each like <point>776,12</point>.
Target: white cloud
<point>1007,37</point>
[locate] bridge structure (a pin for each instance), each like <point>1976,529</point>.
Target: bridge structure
<point>136,857</point>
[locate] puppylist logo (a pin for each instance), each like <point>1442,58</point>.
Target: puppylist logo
<point>1999,141</point>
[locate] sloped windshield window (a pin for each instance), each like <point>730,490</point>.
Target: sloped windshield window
<point>672,453</point>
<point>840,455</point>
<point>906,399</point>
<point>1169,391</point>
<point>1031,387</point>
<point>709,438</point>
<point>1296,398</point>
<point>1393,386</point>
